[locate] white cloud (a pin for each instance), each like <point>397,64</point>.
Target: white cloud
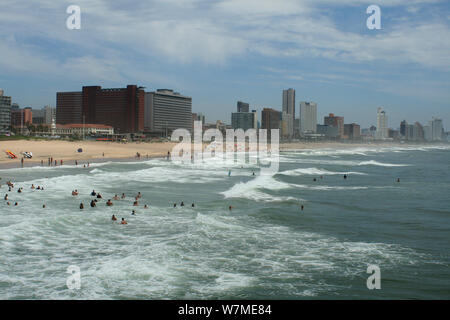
<point>205,32</point>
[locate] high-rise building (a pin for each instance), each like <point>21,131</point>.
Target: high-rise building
<point>243,106</point>
<point>270,119</point>
<point>242,120</point>
<point>69,107</point>
<point>121,108</point>
<point>335,121</point>
<point>352,131</point>
<point>289,108</point>
<point>21,117</point>
<point>255,120</point>
<point>5,113</point>
<point>166,111</point>
<point>38,116</point>
<point>382,125</point>
<point>403,125</point>
<point>287,125</point>
<point>308,117</point>
<point>418,133</point>
<point>437,129</point>
<point>329,132</point>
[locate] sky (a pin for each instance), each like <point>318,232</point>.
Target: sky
<point>222,51</point>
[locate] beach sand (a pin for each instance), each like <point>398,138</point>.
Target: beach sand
<point>92,150</point>
<point>95,151</point>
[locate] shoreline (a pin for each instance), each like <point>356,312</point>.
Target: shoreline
<point>100,152</point>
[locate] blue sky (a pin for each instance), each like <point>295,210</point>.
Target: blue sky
<point>221,51</point>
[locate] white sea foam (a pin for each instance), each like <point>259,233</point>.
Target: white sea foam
<point>315,171</point>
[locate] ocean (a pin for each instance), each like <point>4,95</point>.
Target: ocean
<point>265,247</point>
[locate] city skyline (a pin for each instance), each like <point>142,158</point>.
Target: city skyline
<point>224,51</point>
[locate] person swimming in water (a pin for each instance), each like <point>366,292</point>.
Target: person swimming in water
<point>229,173</point>
<point>20,190</point>
<point>174,205</point>
<point>113,218</point>
<point>93,193</point>
<point>133,213</point>
<point>109,203</point>
<point>81,206</point>
<point>43,206</point>
<point>139,195</point>
<point>93,204</point>
<point>230,208</point>
<point>135,204</point>
<point>398,179</point>
<point>6,197</point>
<point>314,179</point>
<point>182,204</point>
<point>302,207</point>
<point>345,176</point>
<point>99,196</point>
<point>145,206</point>
<point>123,196</point>
<point>193,205</point>
<point>33,187</point>
<point>116,197</point>
<point>123,221</point>
<point>75,192</point>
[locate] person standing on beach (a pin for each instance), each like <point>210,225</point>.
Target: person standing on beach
<point>21,161</point>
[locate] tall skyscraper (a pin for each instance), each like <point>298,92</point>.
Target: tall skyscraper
<point>270,119</point>
<point>121,108</point>
<point>243,106</point>
<point>352,131</point>
<point>308,117</point>
<point>335,121</point>
<point>382,125</point>
<point>437,129</point>
<point>166,111</point>
<point>289,107</point>
<point>403,126</point>
<point>5,113</point>
<point>243,119</point>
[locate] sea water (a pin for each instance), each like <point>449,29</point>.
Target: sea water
<point>266,247</point>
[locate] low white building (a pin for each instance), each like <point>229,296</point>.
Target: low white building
<point>86,129</point>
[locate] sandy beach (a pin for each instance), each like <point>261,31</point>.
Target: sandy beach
<point>92,150</point>
<point>97,150</point>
